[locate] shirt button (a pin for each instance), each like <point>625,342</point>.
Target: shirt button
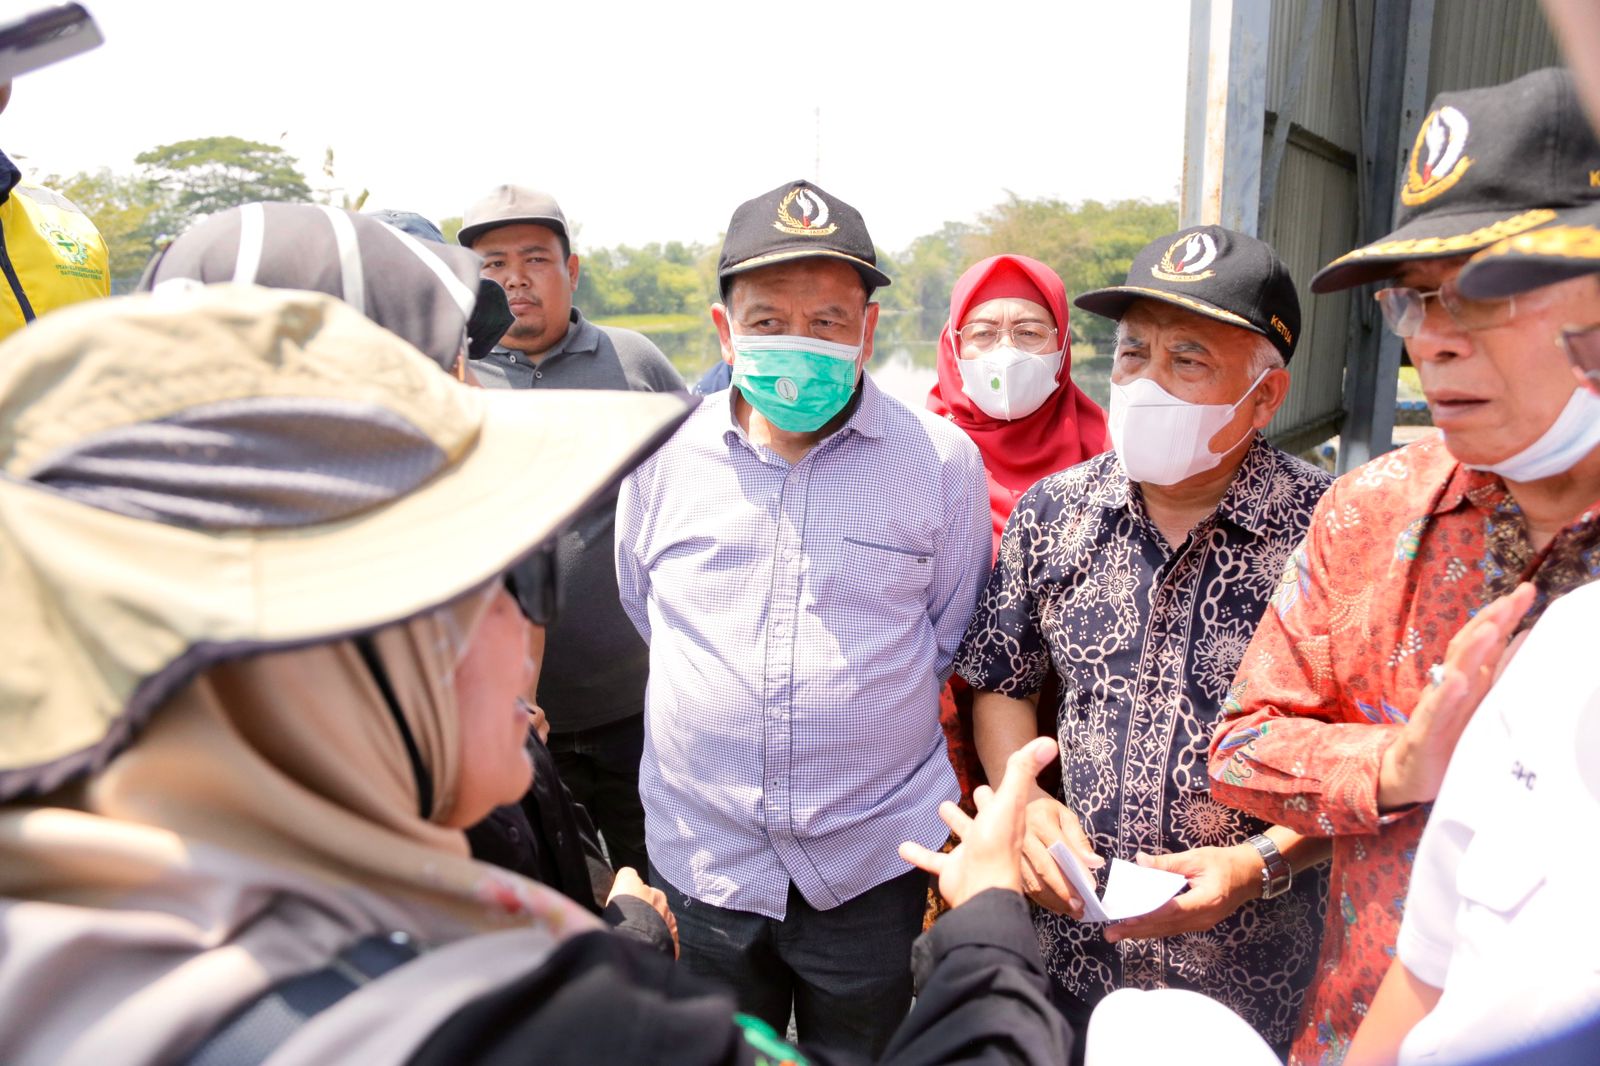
<point>538,373</point>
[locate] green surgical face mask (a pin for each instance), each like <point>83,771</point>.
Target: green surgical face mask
<point>797,383</point>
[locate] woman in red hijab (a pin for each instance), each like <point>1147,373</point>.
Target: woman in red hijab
<point>1005,377</point>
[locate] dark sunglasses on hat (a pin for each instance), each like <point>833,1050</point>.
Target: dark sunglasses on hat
<point>532,583</point>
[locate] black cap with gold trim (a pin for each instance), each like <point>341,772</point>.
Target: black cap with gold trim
<point>1212,271</point>
<point>797,220</point>
<point>1487,164</point>
<point>1535,259</point>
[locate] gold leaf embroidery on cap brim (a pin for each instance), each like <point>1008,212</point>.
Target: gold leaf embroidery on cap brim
<point>1569,242</point>
<point>1461,242</point>
<point>1193,305</point>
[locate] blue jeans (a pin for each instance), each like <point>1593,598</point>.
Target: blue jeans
<point>844,972</point>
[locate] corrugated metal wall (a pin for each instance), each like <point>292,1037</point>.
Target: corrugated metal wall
<point>1314,205</point>
<point>1485,42</point>
<point>1313,216</point>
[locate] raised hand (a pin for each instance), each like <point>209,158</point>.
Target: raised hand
<point>1413,766</point>
<point>990,852</point>
<point>629,883</point>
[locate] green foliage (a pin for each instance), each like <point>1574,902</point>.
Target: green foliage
<point>656,279</point>
<point>925,273</point>
<point>1091,244</point>
<point>178,183</point>
<point>450,227</point>
<point>208,174</point>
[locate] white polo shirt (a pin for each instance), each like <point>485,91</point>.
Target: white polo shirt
<point>1502,913</point>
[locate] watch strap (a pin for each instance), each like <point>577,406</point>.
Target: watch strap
<point>1276,874</point>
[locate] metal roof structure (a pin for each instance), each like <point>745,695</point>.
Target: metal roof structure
<point>1300,122</point>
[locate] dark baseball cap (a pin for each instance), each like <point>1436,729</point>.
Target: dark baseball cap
<point>510,205</point>
<point>491,314</point>
<point>797,220</point>
<point>1487,164</point>
<point>1535,259</point>
<point>1220,273</point>
<point>410,222</point>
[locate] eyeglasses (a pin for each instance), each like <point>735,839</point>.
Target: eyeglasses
<point>1030,337</point>
<point>1404,309</point>
<point>1582,345</point>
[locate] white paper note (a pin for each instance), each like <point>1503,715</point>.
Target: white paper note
<point>1131,889</point>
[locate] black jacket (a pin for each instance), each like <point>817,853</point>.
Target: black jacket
<point>603,999</point>
<point>549,838</point>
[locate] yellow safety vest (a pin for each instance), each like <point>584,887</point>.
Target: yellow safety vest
<point>50,256</point>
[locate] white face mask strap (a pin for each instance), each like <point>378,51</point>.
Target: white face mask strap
<point>1259,379</point>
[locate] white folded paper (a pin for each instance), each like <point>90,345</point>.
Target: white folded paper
<point>1131,889</point>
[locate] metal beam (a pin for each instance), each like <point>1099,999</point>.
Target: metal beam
<point>1223,143</point>
<point>1396,95</point>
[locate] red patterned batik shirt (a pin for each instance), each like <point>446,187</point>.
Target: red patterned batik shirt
<point>1399,555</point>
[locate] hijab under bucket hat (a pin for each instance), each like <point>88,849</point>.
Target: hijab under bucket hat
<point>192,476</point>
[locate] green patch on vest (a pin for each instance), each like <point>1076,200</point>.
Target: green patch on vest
<point>770,1048</point>
<point>66,245</point>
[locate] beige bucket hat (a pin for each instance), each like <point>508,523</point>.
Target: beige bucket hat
<point>192,476</point>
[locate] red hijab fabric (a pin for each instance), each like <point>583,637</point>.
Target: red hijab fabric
<point>1066,430</point>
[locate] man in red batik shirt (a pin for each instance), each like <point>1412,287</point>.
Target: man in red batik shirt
<point>1350,698</point>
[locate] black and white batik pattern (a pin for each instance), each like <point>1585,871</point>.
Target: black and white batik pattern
<point>1146,640</point>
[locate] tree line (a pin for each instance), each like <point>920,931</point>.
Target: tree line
<point>1090,244</point>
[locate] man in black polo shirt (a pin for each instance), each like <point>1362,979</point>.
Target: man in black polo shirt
<point>592,686</point>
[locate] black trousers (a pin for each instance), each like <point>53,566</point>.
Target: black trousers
<point>600,767</point>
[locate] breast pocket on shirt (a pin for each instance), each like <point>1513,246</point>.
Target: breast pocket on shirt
<point>874,572</point>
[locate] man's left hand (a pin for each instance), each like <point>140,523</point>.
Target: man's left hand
<point>1221,880</point>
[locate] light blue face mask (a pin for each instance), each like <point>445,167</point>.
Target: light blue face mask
<point>797,383</point>
<point>1574,434</point>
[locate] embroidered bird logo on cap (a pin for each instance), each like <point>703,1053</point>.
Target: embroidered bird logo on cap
<point>1187,259</point>
<point>812,217</point>
<point>1438,159</point>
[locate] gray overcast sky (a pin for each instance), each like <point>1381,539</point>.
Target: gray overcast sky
<point>648,121</point>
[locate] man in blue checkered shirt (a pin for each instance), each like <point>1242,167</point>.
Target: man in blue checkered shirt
<point>803,557</point>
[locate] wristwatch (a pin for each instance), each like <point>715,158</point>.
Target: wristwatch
<point>1276,874</point>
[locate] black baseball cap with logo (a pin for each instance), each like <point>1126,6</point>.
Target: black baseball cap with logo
<point>1212,271</point>
<point>797,220</point>
<point>1487,164</point>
